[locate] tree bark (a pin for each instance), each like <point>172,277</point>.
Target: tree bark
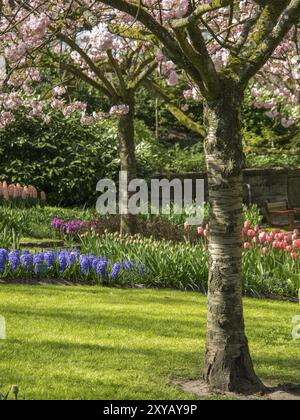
<point>228,365</point>
<point>128,222</point>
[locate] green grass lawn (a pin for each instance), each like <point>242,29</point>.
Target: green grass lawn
<point>100,343</point>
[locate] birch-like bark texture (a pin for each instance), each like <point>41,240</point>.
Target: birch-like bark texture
<point>128,223</point>
<point>228,366</point>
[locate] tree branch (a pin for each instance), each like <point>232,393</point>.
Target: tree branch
<point>117,71</point>
<point>159,92</point>
<point>261,55</point>
<point>89,62</point>
<point>142,75</point>
<point>200,11</point>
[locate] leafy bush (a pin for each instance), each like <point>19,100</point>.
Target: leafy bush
<point>66,159</point>
<point>267,160</point>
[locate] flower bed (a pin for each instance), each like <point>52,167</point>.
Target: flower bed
<point>271,260</point>
<point>69,265</point>
<point>16,193</point>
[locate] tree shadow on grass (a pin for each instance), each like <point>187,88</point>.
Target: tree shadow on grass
<point>165,326</point>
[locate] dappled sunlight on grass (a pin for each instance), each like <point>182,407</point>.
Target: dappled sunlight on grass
<point>92,342</point>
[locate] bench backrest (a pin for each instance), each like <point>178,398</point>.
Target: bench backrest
<point>277,206</point>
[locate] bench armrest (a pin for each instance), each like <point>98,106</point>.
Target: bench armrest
<point>281,212</point>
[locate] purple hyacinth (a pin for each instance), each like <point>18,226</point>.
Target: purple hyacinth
<point>72,227</point>
<point>102,268</point>
<point>26,260</point>
<point>73,257</point>
<point>84,264</point>
<point>38,260</point>
<point>115,271</point>
<point>57,224</point>
<point>63,261</point>
<point>3,259</point>
<point>140,267</point>
<point>129,265</point>
<point>14,260</point>
<point>49,258</point>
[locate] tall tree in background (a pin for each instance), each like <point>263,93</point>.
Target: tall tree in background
<point>113,66</point>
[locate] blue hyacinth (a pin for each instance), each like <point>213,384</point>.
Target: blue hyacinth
<point>38,260</point>
<point>49,258</point>
<point>90,265</point>
<point>73,257</point>
<point>115,271</point>
<point>26,260</point>
<point>63,262</point>
<point>102,268</point>
<point>3,259</point>
<point>14,260</point>
<point>84,264</point>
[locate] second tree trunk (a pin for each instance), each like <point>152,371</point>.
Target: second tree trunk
<point>128,223</point>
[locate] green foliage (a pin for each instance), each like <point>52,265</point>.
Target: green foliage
<point>185,266</point>
<point>277,159</point>
<point>167,264</point>
<point>274,273</point>
<point>184,160</point>
<point>253,214</point>
<point>6,395</point>
<point>63,158</point>
<point>35,221</point>
<point>66,159</point>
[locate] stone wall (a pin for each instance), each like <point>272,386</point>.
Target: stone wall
<point>261,185</point>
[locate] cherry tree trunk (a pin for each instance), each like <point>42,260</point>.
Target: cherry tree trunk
<point>228,365</point>
<point>128,223</point>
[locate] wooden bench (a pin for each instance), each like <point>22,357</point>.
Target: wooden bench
<point>281,212</point>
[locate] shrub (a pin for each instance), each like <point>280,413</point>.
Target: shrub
<point>66,159</point>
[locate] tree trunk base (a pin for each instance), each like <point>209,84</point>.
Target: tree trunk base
<point>288,392</point>
<point>233,373</point>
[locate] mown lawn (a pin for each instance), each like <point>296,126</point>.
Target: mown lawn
<point>100,343</point>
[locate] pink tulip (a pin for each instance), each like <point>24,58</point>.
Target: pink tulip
<point>247,245</point>
<point>289,249</point>
<point>205,233</point>
<point>262,238</point>
<point>200,230</point>
<point>247,225</point>
<point>251,233</point>
<point>296,244</point>
<point>264,251</point>
<point>244,232</point>
<point>295,256</point>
